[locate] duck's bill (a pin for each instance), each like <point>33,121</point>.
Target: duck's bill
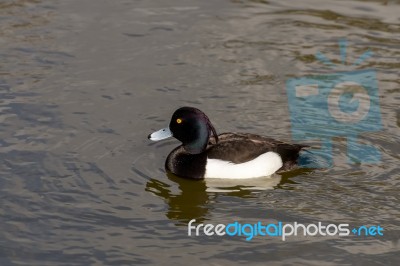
<point>160,134</point>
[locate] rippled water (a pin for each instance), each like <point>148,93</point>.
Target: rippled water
<point>82,83</point>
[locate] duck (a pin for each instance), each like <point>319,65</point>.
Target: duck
<point>204,154</point>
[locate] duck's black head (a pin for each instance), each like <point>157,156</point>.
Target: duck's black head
<point>190,126</point>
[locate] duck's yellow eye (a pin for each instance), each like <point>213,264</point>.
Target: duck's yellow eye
<point>178,120</point>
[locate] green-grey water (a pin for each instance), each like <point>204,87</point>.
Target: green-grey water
<point>82,84</point>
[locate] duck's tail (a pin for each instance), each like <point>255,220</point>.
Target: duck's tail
<point>290,154</point>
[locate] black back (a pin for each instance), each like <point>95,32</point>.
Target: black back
<point>243,147</point>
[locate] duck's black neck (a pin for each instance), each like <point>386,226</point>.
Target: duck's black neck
<point>199,143</point>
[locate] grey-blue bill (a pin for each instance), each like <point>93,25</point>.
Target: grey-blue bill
<point>160,134</point>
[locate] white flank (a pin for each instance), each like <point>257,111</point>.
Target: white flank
<point>264,165</point>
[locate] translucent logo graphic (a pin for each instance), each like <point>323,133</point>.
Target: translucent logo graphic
<point>339,104</point>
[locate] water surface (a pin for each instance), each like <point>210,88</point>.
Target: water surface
<point>82,83</point>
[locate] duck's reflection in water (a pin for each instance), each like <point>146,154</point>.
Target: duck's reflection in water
<point>188,201</point>
<point>193,199</point>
